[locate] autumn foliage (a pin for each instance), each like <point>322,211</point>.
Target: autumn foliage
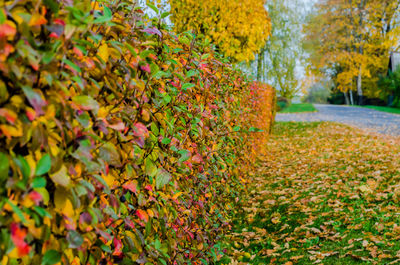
<point>260,115</point>
<point>120,142</point>
<point>239,28</point>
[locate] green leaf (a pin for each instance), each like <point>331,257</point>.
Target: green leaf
<point>72,65</point>
<point>42,212</point>
<point>236,128</point>
<point>23,166</point>
<point>106,248</point>
<point>187,86</point>
<point>2,16</point>
<point>43,165</point>
<point>17,211</point>
<point>165,14</point>
<point>153,7</point>
<point>86,102</point>
<point>162,178</point>
<point>74,239</point>
<point>205,56</point>
<point>150,167</point>
<point>253,129</point>
<point>51,257</point>
<point>39,182</point>
<point>159,74</point>
<point>107,12</point>
<point>4,166</point>
<point>191,73</point>
<point>184,40</point>
<point>166,141</point>
<point>107,16</point>
<point>185,155</point>
<point>154,129</point>
<point>52,5</point>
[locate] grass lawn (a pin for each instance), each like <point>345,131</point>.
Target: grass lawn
<point>325,193</point>
<point>384,109</point>
<point>301,107</point>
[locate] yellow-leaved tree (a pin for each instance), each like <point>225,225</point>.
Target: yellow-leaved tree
<point>350,40</point>
<point>239,28</point>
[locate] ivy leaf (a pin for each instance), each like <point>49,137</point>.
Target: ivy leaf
<point>43,165</point>
<point>51,257</point>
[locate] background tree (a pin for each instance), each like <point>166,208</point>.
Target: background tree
<point>282,51</point>
<point>239,28</point>
<point>349,40</point>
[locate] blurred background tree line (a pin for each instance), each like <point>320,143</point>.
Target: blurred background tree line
<point>349,42</point>
<point>320,50</point>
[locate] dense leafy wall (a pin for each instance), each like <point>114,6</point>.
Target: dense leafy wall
<point>119,142</point>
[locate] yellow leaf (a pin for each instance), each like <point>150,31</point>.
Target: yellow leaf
<point>62,204</point>
<point>61,177</point>
<point>103,52</point>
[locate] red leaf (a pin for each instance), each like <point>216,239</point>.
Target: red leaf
<point>140,130</point>
<point>9,115</point>
<point>7,31</point>
<point>130,186</point>
<point>146,68</point>
<point>118,247</point>
<point>18,236</point>
<point>36,197</point>
<point>142,214</point>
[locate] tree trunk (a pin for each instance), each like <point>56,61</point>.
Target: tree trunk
<point>260,60</point>
<point>351,97</point>
<point>346,98</point>
<point>359,88</point>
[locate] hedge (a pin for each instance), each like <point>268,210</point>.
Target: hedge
<point>120,142</point>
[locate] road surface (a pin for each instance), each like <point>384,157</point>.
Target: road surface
<point>372,120</point>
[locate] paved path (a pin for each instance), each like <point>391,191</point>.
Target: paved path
<point>376,121</point>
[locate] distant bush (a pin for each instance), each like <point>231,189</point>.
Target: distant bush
<point>317,94</point>
<point>282,103</point>
<point>119,141</point>
<point>390,85</point>
<point>337,98</point>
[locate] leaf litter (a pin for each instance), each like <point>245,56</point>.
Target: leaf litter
<point>325,193</point>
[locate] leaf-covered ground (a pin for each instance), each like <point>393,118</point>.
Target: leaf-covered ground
<point>326,194</point>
